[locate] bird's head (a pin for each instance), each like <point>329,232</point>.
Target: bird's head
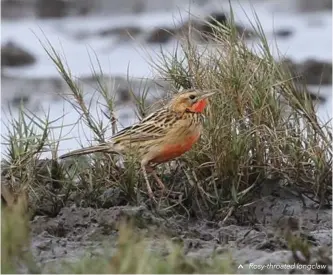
<point>190,101</point>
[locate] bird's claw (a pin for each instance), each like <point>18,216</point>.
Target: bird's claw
<point>163,189</point>
<point>152,197</point>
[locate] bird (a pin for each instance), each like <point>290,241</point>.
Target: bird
<point>161,136</point>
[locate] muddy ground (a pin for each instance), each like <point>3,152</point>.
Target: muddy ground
<point>78,231</point>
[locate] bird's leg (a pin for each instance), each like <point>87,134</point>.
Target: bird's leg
<point>158,180</point>
<point>144,171</point>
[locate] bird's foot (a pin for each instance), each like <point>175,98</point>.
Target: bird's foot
<point>159,182</point>
<point>163,189</point>
<point>151,195</point>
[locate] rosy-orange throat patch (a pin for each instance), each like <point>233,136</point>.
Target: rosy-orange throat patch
<point>199,106</point>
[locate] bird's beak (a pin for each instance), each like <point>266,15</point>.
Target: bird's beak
<point>206,95</point>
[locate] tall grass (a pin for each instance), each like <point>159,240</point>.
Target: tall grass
<point>260,124</point>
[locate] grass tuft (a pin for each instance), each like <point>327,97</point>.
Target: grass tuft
<point>15,236</point>
<point>260,124</point>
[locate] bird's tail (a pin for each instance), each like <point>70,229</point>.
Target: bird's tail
<point>104,147</point>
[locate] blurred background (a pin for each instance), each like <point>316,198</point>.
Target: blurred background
<point>126,34</point>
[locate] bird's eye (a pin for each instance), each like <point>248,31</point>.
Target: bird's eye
<point>192,96</point>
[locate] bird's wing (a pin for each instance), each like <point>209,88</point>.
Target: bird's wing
<point>151,127</point>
